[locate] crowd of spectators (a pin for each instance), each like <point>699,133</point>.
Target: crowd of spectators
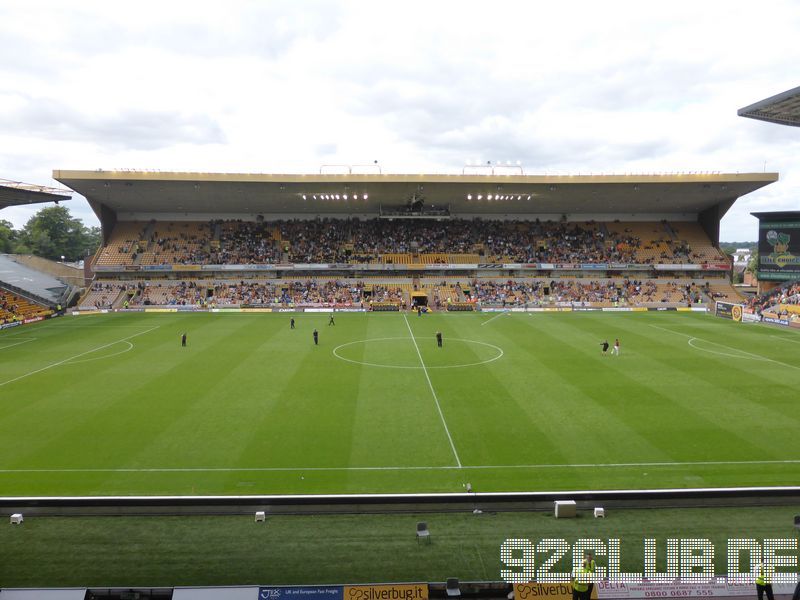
<point>291,293</point>
<point>186,247</point>
<point>243,293</point>
<point>364,241</point>
<point>381,236</point>
<point>789,294</point>
<point>9,307</point>
<point>382,293</point>
<point>318,241</point>
<point>311,292</point>
<point>327,293</point>
<point>634,292</point>
<point>15,308</point>
<point>102,294</point>
<point>688,293</point>
<point>358,293</point>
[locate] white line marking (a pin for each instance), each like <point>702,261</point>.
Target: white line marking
<point>785,339</point>
<point>21,330</point>
<point>756,356</point>
<point>368,364</point>
<point>704,463</point>
<point>494,317</point>
<point>128,349</point>
<point>17,343</point>
<point>61,362</point>
<point>430,385</point>
<point>722,353</point>
<point>93,326</point>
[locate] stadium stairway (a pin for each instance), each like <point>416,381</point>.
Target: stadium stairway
<point>669,229</point>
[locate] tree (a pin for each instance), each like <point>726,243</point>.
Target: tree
<point>53,232</point>
<point>93,237</point>
<point>8,237</point>
<point>752,265</point>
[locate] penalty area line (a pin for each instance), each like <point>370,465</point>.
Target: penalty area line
<point>66,360</point>
<point>785,339</point>
<point>494,317</point>
<point>748,354</point>
<point>703,463</point>
<point>11,345</point>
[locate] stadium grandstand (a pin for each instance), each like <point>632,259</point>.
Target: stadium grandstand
<point>392,241</point>
<point>778,269</point>
<point>782,109</point>
<point>17,193</point>
<point>27,293</point>
<point>398,447</point>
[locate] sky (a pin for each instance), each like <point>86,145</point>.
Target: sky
<point>286,86</point>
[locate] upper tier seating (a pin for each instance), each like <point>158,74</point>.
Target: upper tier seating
<point>697,247</point>
<point>404,242</point>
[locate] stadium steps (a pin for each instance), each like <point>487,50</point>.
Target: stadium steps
<point>724,292</point>
<point>702,249</point>
<point>83,298</point>
<point>147,234</point>
<point>104,297</point>
<point>119,301</point>
<point>121,244</point>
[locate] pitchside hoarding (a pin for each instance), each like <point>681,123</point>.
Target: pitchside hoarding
<point>397,591</point>
<point>728,310</point>
<point>779,249</point>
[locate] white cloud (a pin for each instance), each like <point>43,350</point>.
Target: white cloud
<point>420,86</point>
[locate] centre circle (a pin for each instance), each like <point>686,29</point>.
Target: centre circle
<point>389,345</point>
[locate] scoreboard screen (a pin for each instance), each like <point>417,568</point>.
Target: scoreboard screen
<point>779,249</point>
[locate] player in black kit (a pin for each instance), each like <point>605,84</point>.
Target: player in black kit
<point>316,338</point>
<point>604,344</point>
<point>439,339</point>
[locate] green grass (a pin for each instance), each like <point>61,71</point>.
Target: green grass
<point>111,404</point>
<point>168,551</point>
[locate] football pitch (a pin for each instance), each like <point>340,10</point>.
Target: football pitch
<point>113,405</point>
